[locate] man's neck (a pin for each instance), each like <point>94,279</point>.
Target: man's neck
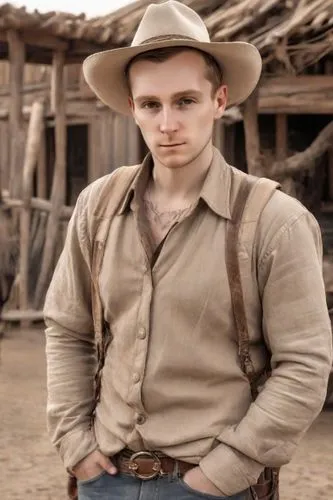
<point>175,188</point>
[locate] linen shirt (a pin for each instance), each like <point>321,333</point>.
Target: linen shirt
<point>172,380</point>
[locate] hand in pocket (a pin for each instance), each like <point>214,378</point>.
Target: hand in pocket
<point>92,466</point>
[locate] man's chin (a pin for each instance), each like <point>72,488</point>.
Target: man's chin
<point>174,160</point>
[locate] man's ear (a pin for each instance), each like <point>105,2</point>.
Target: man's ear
<point>221,98</point>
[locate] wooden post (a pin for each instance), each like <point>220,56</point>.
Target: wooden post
<point>133,143</point>
<point>252,136</point>
<point>281,136</point>
<point>329,71</point>
<point>281,150</point>
<point>330,174</point>
<point>94,131</point>
<point>58,192</point>
<point>230,143</point>
<point>219,136</point>
<point>41,167</point>
<point>4,170</point>
<point>30,159</point>
<point>16,58</point>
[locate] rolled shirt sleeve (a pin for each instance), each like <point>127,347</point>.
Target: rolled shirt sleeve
<point>297,330</point>
<point>70,348</point>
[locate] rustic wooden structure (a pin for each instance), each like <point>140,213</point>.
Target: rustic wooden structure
<point>56,137</point>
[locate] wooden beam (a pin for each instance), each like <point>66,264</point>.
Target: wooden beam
<point>297,95</point>
<point>252,136</point>
<point>290,85</point>
<point>41,167</point>
<point>40,204</point>
<point>30,160</point>
<point>330,174</point>
<point>18,315</point>
<point>219,135</point>
<point>58,192</point>
<point>281,136</point>
<point>44,40</point>
<point>17,60</point>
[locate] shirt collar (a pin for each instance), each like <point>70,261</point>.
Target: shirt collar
<point>137,188</point>
<point>216,188</point>
<point>215,191</point>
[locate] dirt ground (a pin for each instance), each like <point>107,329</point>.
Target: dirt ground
<point>31,470</point>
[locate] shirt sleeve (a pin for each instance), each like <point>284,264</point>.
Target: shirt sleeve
<point>297,330</point>
<point>70,347</point>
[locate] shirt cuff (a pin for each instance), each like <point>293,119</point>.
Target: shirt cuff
<point>229,470</point>
<point>75,446</point>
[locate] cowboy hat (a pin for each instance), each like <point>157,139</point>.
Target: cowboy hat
<point>171,24</point>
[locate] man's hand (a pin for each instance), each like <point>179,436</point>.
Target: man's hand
<point>92,465</point>
<point>197,480</point>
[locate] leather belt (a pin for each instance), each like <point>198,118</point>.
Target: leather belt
<point>147,465</point>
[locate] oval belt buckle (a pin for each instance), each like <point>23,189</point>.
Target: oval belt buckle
<point>134,466</point>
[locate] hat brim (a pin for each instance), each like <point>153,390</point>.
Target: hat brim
<point>105,71</point>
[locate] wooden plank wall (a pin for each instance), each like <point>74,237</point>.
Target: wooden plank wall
<point>36,74</point>
<point>114,141</point>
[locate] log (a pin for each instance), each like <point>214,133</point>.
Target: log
<point>35,131</point>
<point>16,58</point>
<point>330,174</point>
<point>39,204</point>
<point>306,160</point>
<point>252,136</point>
<point>41,167</point>
<point>297,94</point>
<point>4,155</point>
<point>93,150</point>
<point>281,136</point>
<point>58,192</point>
<point>43,40</point>
<point>19,315</point>
<point>219,136</point>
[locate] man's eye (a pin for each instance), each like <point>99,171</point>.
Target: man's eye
<point>186,101</point>
<point>150,105</point>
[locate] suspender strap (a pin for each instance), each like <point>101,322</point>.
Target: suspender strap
<point>234,277</point>
<point>252,196</point>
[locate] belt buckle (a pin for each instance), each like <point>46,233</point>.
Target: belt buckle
<point>134,466</point>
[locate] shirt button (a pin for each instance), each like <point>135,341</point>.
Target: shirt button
<point>136,377</point>
<point>140,419</point>
<point>142,333</point>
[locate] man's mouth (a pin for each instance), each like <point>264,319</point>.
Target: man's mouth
<point>173,145</point>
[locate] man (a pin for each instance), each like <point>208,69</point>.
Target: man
<point>174,417</point>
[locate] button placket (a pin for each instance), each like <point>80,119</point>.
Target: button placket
<point>141,346</point>
<point>142,333</point>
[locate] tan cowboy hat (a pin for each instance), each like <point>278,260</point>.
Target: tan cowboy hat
<point>172,24</point>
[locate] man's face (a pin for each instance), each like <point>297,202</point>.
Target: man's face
<point>173,105</point>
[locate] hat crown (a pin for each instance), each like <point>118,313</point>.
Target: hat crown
<point>170,19</point>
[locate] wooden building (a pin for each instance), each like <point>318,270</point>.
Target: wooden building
<point>56,136</point>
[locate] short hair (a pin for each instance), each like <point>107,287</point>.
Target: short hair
<point>213,74</point>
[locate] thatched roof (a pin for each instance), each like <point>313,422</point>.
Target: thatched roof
<point>296,33</point>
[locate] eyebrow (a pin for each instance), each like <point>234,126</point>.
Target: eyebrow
<point>174,96</point>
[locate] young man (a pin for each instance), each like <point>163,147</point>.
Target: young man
<point>174,417</point>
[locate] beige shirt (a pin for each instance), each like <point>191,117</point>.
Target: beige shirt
<point>172,379</point>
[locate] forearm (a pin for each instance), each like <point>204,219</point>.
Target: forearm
<point>271,429</point>
<point>297,331</point>
<point>71,366</point>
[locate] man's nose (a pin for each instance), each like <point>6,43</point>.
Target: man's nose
<point>169,121</point>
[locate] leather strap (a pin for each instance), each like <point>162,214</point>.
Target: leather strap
<point>234,277</point>
<point>251,198</point>
<point>145,465</point>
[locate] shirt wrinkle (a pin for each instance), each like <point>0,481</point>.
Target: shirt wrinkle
<point>172,379</point>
